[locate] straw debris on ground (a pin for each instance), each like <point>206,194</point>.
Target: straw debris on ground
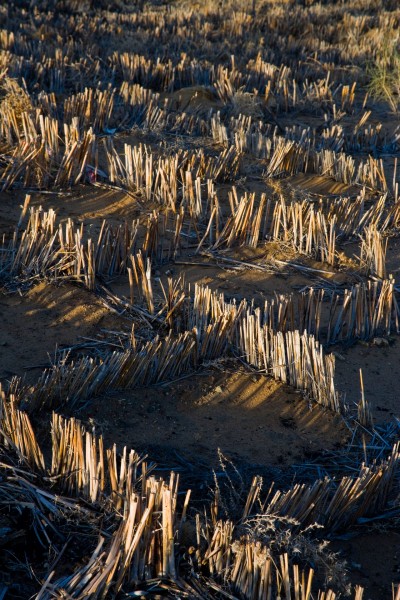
<point>199,261</point>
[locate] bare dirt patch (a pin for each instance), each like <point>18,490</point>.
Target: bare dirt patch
<point>46,319</point>
<point>253,420</point>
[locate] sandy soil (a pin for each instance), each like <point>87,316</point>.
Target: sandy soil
<point>374,560</point>
<point>44,321</point>
<point>253,420</point>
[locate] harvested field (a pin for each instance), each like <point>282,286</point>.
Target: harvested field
<point>199,298</point>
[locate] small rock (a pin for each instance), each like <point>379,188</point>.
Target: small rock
<point>218,389</point>
<point>380,342</point>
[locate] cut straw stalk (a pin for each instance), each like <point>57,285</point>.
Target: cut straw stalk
<point>143,546</point>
